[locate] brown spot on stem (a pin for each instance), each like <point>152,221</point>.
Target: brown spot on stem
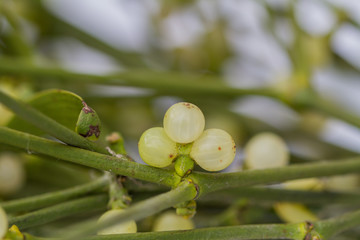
<point>221,160</point>
<point>171,156</point>
<point>219,148</point>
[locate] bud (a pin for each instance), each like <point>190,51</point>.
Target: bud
<point>88,124</point>
<point>116,142</point>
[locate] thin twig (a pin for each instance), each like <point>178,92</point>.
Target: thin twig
<point>47,199</point>
<point>58,211</point>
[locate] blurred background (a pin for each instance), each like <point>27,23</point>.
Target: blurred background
<point>289,67</point>
<point>273,46</point>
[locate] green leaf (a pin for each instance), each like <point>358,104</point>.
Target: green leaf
<point>60,105</point>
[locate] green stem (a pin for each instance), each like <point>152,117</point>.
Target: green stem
<point>184,192</point>
<point>31,237</point>
<point>218,181</point>
<point>47,124</point>
<point>309,100</point>
<point>122,166</point>
<point>263,194</point>
<point>16,40</point>
<point>170,83</point>
<point>61,210</point>
<point>265,231</point>
<point>333,226</point>
<point>47,199</point>
<point>59,174</point>
<point>332,110</point>
<point>298,231</point>
<point>269,231</point>
<point>165,82</point>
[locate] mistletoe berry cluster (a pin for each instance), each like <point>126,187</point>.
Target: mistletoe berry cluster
<point>183,140</point>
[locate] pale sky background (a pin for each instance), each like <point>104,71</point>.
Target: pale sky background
<point>126,24</point>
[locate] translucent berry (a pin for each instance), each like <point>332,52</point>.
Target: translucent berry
<point>343,183</point>
<point>169,221</point>
<point>294,212</point>
<point>3,223</point>
<point>306,184</point>
<point>12,174</point>
<point>214,150</point>
<point>266,150</point>
<point>156,148</point>
<point>125,227</point>
<point>184,122</point>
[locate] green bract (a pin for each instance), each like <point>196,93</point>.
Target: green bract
<point>61,105</point>
<point>184,165</point>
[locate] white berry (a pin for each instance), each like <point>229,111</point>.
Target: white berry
<point>125,227</point>
<point>294,212</point>
<point>12,174</point>
<point>343,183</point>
<point>266,150</point>
<point>3,223</point>
<point>184,122</point>
<point>156,148</point>
<point>306,184</point>
<point>169,221</point>
<point>214,150</point>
